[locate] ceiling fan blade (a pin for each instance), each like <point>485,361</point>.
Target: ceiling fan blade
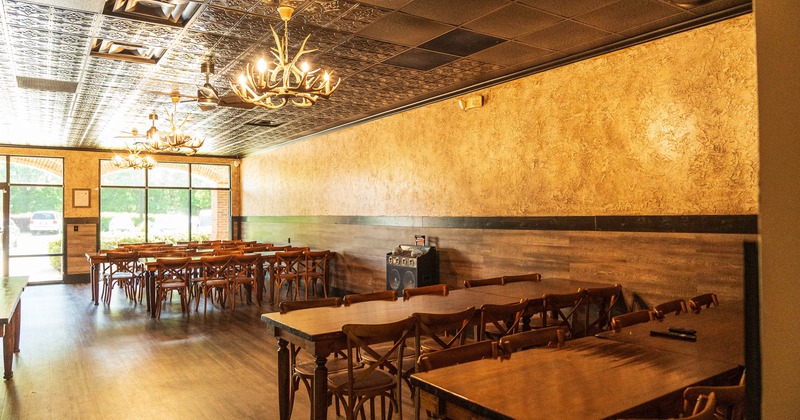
<point>233,101</point>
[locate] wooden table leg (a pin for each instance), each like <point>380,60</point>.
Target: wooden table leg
<point>151,293</point>
<point>319,406</point>
<point>95,279</point>
<point>283,379</point>
<point>16,321</point>
<point>260,278</point>
<point>271,271</point>
<point>9,335</point>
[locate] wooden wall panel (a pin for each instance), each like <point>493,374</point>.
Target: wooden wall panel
<point>653,266</point>
<point>79,242</point>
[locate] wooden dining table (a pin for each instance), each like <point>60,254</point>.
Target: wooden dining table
<point>720,333</point>
<point>589,378</point>
<point>319,331</point>
<point>10,314</point>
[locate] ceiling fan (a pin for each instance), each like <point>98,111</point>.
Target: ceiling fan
<point>207,97</point>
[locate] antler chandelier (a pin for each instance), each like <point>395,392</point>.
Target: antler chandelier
<point>175,140</point>
<point>272,85</point>
<point>134,159</point>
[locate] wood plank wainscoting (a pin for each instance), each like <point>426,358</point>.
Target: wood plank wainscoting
<point>81,235</point>
<point>655,258</point>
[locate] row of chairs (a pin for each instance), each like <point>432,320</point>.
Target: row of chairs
<point>212,275</point>
<point>658,312</point>
<point>378,361</point>
<point>296,266</point>
<point>597,306</point>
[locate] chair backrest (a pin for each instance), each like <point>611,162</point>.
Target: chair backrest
<point>216,267</point>
<point>316,262</point>
<point>563,308</point>
<point>446,330</point>
<point>676,306</point>
<point>533,338</point>
<point>363,338</point>
<point>172,269</point>
<point>522,277</point>
<point>279,248</point>
<point>504,318</point>
<point>288,306</point>
<point>705,300</point>
<point>435,289</point>
<point>258,248</point>
<point>729,399</point>
<point>632,318</point>
<point>600,302</point>
<point>705,408</point>
<point>456,355</point>
<point>245,265</point>
<point>493,281</point>
<point>298,248</point>
<point>228,251</point>
<point>123,262</point>
<point>390,295</point>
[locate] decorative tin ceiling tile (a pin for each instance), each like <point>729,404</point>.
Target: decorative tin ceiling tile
<point>217,20</point>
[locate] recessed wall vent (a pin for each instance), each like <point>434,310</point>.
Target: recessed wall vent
<point>46,84</point>
<point>165,12</point>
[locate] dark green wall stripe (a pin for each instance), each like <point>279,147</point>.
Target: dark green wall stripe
<point>738,224</point>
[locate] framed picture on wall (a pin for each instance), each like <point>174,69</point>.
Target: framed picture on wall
<point>80,197</point>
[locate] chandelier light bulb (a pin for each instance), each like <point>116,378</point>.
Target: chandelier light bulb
<point>261,66</point>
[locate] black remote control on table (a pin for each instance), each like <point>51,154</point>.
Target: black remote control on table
<point>682,331</point>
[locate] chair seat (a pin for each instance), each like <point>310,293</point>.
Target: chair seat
<point>306,368</point>
<point>538,322</point>
<point>375,380</point>
<point>216,282</point>
<point>173,285</point>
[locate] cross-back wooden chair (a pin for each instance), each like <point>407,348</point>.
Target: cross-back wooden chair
<point>729,399</point>
<point>244,272</point>
<point>288,269</point>
<point>676,307</point>
<point>214,275</point>
<point>380,377</point>
<point>437,331</point>
<point>316,270</point>
<point>125,271</point>
<point>388,295</point>
<point>522,277</point>
<point>600,303</point>
<point>228,251</point>
<point>632,318</point>
<point>435,289</point>
<point>497,321</point>
<point>303,370</point>
<point>172,276</point>
<point>450,357</point>
<point>706,300</point>
<point>493,281</point>
<point>561,309</point>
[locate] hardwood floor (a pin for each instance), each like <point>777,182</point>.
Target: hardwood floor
<point>80,361</point>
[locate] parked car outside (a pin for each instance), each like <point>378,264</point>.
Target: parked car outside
<point>121,224</point>
<point>45,221</point>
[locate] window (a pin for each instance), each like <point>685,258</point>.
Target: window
<point>172,202</point>
<point>36,203</point>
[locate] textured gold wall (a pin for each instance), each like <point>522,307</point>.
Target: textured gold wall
<point>668,128</point>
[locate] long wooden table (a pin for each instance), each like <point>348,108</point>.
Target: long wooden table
<point>96,261</point>
<point>319,330</point>
<point>720,334</point>
<point>10,313</point>
<point>589,378</point>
